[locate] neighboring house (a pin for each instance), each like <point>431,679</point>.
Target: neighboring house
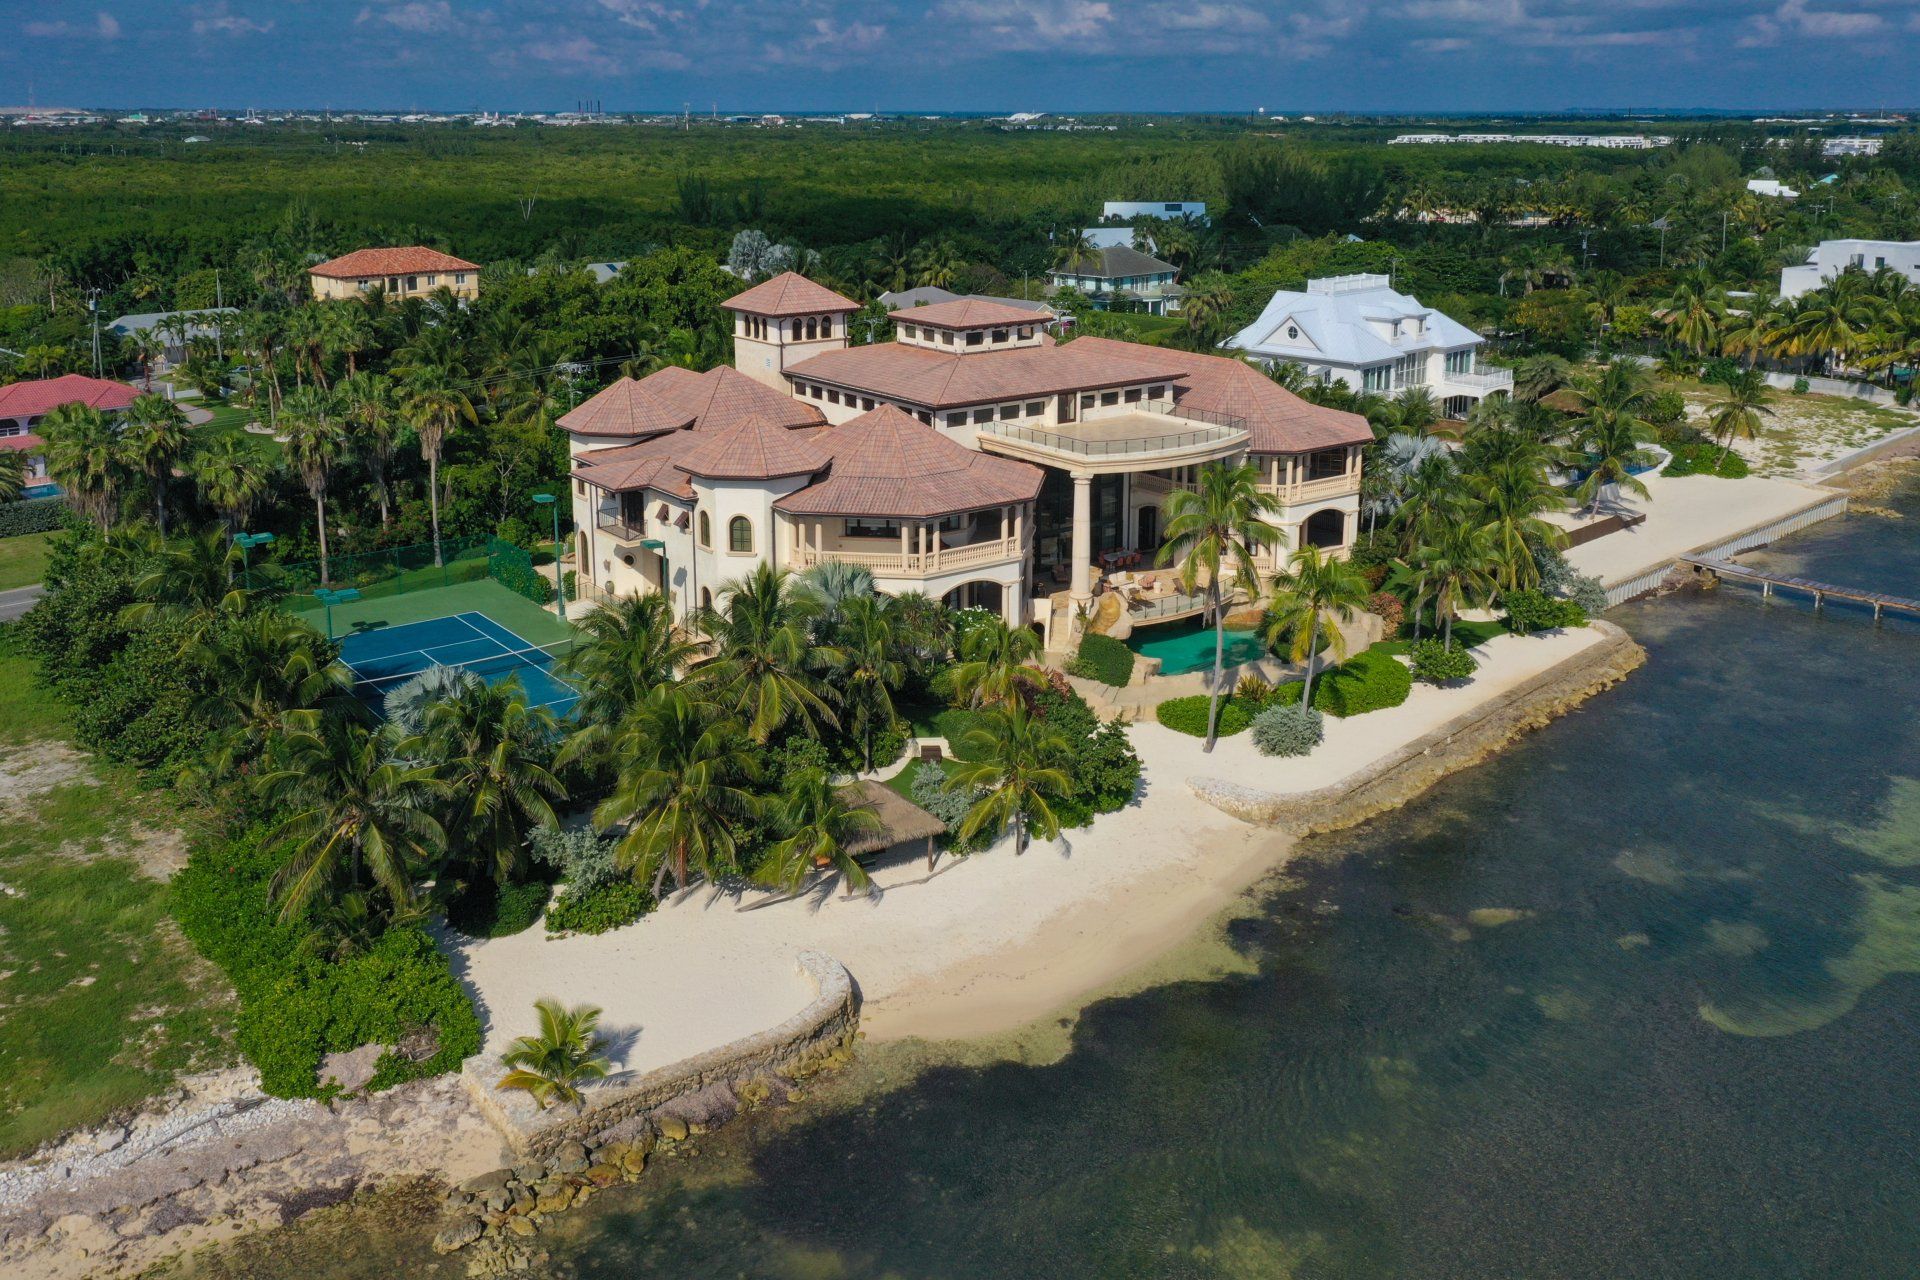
<point>972,458</point>
<point>1830,257</point>
<point>1130,209</point>
<point>601,271</point>
<point>927,295</point>
<point>24,404</point>
<point>1124,272</point>
<point>1360,331</point>
<point>179,328</point>
<point>1771,187</point>
<point>403,272</point>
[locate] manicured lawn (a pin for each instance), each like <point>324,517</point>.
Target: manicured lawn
<point>951,723</point>
<point>902,782</point>
<point>23,560</point>
<point>101,1000</point>
<point>230,419</point>
<point>1471,634</point>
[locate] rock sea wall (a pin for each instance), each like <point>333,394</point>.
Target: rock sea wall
<point>1458,744</point>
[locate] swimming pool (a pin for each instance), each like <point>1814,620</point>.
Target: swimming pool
<point>1187,645</point>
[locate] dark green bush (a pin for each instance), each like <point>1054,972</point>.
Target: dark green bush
<point>296,1006</point>
<point>1368,681</point>
<point>1437,662</point>
<point>1105,659</point>
<point>1529,611</point>
<point>1707,459</point>
<point>1667,407</point>
<point>523,579</point>
<point>1103,767</point>
<point>487,911</point>
<point>610,906</point>
<point>1189,715</point>
<point>34,515</point>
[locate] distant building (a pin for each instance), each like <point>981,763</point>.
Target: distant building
<point>1121,271</point>
<point>179,328</point>
<point>1109,237</point>
<point>1129,209</point>
<point>1358,330</point>
<point>1830,257</point>
<point>927,295</point>
<point>24,404</point>
<point>1771,187</point>
<point>1608,141</point>
<point>1850,147</point>
<point>402,272</point>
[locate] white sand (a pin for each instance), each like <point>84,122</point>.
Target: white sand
<point>989,943</point>
<point>1686,513</point>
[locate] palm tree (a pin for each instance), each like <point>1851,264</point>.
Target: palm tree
<point>820,828</point>
<point>629,648</point>
<point>996,663</point>
<point>435,403</point>
<point>231,477</point>
<point>1695,310</point>
<point>567,1052</point>
<point>832,583</point>
<point>1609,431</point>
<point>766,667</point>
<point>936,263</point>
<point>154,434</point>
<point>867,670</point>
<point>359,810</point>
<point>1205,305</point>
<point>1016,760</point>
<point>1214,530</point>
<point>1537,377</point>
<point>1744,400</point>
<point>268,674</point>
<point>86,458</point>
<point>1456,568</point>
<point>1315,584</point>
<point>367,400</point>
<point>191,574</point>
<point>315,444</point>
<point>1072,246</point>
<point>13,475</point>
<point>1512,494</point>
<point>1417,410</point>
<point>493,750</point>
<point>683,762</point>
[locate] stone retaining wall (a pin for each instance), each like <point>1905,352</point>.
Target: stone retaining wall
<point>824,1026</point>
<point>1458,744</point>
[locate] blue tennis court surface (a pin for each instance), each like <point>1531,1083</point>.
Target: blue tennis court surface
<point>387,657</point>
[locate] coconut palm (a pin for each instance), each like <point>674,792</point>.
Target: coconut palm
<point>1744,401</point>
<point>1205,305</point>
<point>996,662</point>
<point>154,435</point>
<point>87,459</point>
<point>360,814</point>
<point>231,478</point>
<point>767,667</point>
<point>867,670</point>
<point>629,647</point>
<point>1609,431</point>
<point>1017,763</point>
<point>1457,565</point>
<point>567,1052</point>
<point>1314,586</point>
<point>316,442</point>
<point>13,475</point>
<point>1695,310</point>
<point>1416,410</point>
<point>1213,531</point>
<point>819,829</point>
<point>267,674</point>
<point>493,752</point>
<point>1430,494</point>
<point>1511,494</point>
<point>436,403</point>
<point>681,793</point>
<point>1073,245</point>
<point>187,575</point>
<point>1537,377</point>
<point>367,400</point>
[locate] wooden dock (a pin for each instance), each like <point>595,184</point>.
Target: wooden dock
<point>1820,591</point>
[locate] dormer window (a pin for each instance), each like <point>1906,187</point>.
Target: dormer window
<point>907,331</point>
<point>975,337</point>
<point>999,336</point>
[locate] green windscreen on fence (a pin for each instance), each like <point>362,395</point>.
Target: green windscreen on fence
<point>402,570</point>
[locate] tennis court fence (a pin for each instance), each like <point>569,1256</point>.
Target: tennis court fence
<point>400,570</point>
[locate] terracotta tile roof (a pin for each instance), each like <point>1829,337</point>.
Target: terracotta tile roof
<point>789,294</point>
<point>625,408</point>
<point>29,399</point>
<point>720,397</point>
<point>628,468</point>
<point>751,449</point>
<point>21,443</point>
<point>1278,420</point>
<point>887,464</point>
<point>707,408</point>
<point>968,313</point>
<point>402,261</point>
<point>937,379</point>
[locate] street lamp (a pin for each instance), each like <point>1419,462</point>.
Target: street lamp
<point>330,597</point>
<point>552,504</point>
<point>247,542</point>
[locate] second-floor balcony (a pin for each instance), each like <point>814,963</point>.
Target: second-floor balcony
<point>1483,381</point>
<point>912,548</point>
<point>621,521</point>
<point>1134,440</point>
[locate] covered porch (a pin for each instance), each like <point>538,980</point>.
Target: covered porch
<point>908,547</point>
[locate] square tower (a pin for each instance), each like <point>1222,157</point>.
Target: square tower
<point>782,321</point>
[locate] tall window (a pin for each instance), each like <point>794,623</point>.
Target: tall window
<point>813,327</point>
<point>739,534</point>
<point>1460,361</point>
<point>706,530</point>
<point>1377,377</point>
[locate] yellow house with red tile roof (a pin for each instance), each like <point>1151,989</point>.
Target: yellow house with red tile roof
<point>402,272</point>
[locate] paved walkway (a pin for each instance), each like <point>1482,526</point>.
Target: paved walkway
<point>17,601</point>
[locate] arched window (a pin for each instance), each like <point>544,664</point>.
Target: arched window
<point>813,327</point>
<point>739,534</point>
<point>706,598</point>
<point>706,530</point>
<point>796,331</point>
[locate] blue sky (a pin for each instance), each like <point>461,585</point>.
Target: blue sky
<point>962,55</point>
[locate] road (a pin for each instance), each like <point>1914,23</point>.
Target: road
<point>18,601</point>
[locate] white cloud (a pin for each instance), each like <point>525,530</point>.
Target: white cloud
<point>217,20</point>
<point>421,17</point>
<point>103,27</point>
<point>1030,25</point>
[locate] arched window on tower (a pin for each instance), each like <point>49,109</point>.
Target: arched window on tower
<point>740,534</point>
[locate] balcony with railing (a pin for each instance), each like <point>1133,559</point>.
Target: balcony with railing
<point>1135,439</point>
<point>622,522</point>
<point>924,550</point>
<point>1481,382</point>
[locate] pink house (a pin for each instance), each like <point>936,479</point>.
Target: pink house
<point>24,404</point>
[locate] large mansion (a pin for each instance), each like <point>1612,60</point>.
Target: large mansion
<point>972,458</point>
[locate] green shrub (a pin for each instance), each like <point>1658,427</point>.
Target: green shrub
<point>1437,662</point>
<point>950,805</point>
<point>1707,459</point>
<point>1389,609</point>
<point>1666,408</point>
<point>1102,768</point>
<point>1189,715</point>
<point>1368,681</point>
<point>33,515</point>
<point>1253,688</point>
<point>597,910</point>
<point>524,579</point>
<point>1801,386</point>
<point>487,911</point>
<point>1287,730</point>
<point>1104,659</point>
<point>1529,611</point>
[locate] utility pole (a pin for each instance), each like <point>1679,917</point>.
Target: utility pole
<point>219,319</point>
<point>93,314</point>
<point>1723,233</point>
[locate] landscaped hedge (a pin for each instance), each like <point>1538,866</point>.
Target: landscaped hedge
<point>1529,611</point>
<point>34,515</point>
<point>1104,659</point>
<point>488,911</point>
<point>1707,460</point>
<point>1438,662</point>
<point>600,909</point>
<point>295,1006</point>
<point>1370,680</point>
<point>523,579</point>
<point>1189,715</point>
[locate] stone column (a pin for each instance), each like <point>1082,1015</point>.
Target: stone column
<point>1082,537</point>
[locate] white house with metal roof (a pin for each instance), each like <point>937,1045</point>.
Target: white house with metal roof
<point>1831,257</point>
<point>1359,330</point>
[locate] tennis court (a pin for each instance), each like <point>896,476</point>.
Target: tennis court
<point>384,658</point>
